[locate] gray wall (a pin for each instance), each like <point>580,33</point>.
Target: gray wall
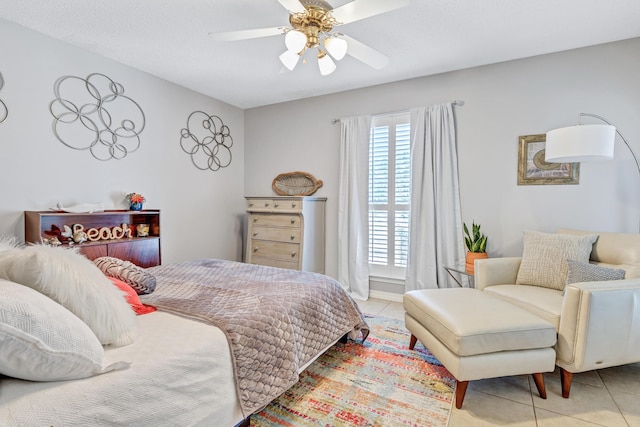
<point>201,210</point>
<point>502,101</point>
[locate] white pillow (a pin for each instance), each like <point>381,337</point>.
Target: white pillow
<point>72,280</point>
<point>40,340</point>
<point>544,258</point>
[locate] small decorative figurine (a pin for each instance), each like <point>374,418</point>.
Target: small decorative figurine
<point>142,230</point>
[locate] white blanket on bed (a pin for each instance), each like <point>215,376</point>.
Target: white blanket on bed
<point>181,375</point>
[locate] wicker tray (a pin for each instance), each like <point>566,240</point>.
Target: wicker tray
<point>295,184</point>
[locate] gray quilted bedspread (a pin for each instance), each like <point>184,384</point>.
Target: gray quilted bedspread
<point>276,320</point>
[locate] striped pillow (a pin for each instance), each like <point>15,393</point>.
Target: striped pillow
<point>137,277</point>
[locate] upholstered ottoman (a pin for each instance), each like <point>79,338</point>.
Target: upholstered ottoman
<point>476,335</point>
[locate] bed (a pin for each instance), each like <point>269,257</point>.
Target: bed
<point>198,361</point>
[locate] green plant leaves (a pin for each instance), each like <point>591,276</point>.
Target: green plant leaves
<point>475,241</point>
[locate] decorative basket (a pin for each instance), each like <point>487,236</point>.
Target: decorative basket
<point>295,184</point>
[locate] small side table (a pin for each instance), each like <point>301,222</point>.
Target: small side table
<point>457,272</point>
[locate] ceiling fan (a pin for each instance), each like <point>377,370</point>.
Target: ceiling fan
<point>312,23</point>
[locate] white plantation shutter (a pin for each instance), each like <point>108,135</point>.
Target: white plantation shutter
<point>389,195</point>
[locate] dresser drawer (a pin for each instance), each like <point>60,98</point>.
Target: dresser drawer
<point>275,250</point>
<point>274,205</point>
<point>291,235</point>
<point>273,220</point>
<point>260,205</point>
<point>275,263</point>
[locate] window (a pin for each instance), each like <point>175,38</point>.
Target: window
<point>389,195</point>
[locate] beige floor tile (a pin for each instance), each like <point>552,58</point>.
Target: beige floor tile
<point>372,306</point>
<point>625,379</point>
<point>590,377</point>
<point>628,404</point>
<point>551,419</point>
<point>483,410</point>
<point>514,388</point>
<point>394,310</point>
<point>587,403</point>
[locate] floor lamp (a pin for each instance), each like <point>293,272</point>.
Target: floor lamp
<point>584,143</point>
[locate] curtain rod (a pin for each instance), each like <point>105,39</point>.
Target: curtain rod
<point>457,102</point>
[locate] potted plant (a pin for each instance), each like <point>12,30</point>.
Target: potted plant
<point>476,243</point>
<point>135,201</point>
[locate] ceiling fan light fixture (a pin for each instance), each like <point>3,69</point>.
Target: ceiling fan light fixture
<point>295,41</point>
<point>325,63</point>
<point>336,47</point>
<point>289,59</point>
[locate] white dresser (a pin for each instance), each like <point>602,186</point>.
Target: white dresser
<point>286,232</point>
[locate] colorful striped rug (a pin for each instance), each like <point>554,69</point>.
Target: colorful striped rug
<point>380,383</point>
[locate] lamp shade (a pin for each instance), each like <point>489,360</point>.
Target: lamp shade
<point>336,47</point>
<point>295,41</point>
<point>289,59</point>
<point>326,65</point>
<point>582,143</point>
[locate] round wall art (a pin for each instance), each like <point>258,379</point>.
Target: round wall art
<point>207,140</point>
<point>4,112</point>
<point>94,114</point>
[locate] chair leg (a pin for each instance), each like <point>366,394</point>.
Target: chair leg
<point>412,342</point>
<point>565,379</point>
<point>538,378</point>
<point>461,390</point>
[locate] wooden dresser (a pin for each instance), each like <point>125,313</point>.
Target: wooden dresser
<point>286,232</point>
<point>143,251</point>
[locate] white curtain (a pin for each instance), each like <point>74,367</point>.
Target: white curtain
<point>435,227</point>
<point>353,206</point>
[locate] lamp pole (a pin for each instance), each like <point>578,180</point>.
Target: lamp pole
<point>635,158</point>
<point>618,132</point>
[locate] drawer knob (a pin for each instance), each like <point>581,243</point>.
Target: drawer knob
<point>255,249</point>
<point>255,219</point>
<point>293,204</point>
<point>293,236</point>
<point>255,234</point>
<point>250,204</point>
<point>293,254</point>
<point>293,220</point>
<point>276,204</point>
<point>266,204</point>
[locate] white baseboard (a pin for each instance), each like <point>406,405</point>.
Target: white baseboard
<point>387,296</point>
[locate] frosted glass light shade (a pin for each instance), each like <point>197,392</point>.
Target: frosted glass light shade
<point>336,47</point>
<point>289,59</point>
<point>326,65</point>
<point>582,143</point>
<point>295,41</point>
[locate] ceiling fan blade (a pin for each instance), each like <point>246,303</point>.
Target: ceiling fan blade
<point>366,54</point>
<point>361,9</point>
<point>292,5</point>
<point>247,34</point>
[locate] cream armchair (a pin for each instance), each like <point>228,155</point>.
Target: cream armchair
<point>598,323</point>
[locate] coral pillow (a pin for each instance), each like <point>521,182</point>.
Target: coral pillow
<point>132,297</point>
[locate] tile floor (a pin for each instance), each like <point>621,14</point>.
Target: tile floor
<point>608,397</point>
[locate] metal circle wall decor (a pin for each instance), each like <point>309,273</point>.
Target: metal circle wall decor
<point>207,140</point>
<point>4,111</point>
<point>100,118</point>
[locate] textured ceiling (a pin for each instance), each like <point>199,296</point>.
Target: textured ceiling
<point>170,39</point>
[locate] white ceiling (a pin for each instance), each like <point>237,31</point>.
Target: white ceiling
<point>170,39</point>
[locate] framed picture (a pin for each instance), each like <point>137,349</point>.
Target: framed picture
<point>534,170</point>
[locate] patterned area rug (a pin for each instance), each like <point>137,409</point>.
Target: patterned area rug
<point>380,383</point>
